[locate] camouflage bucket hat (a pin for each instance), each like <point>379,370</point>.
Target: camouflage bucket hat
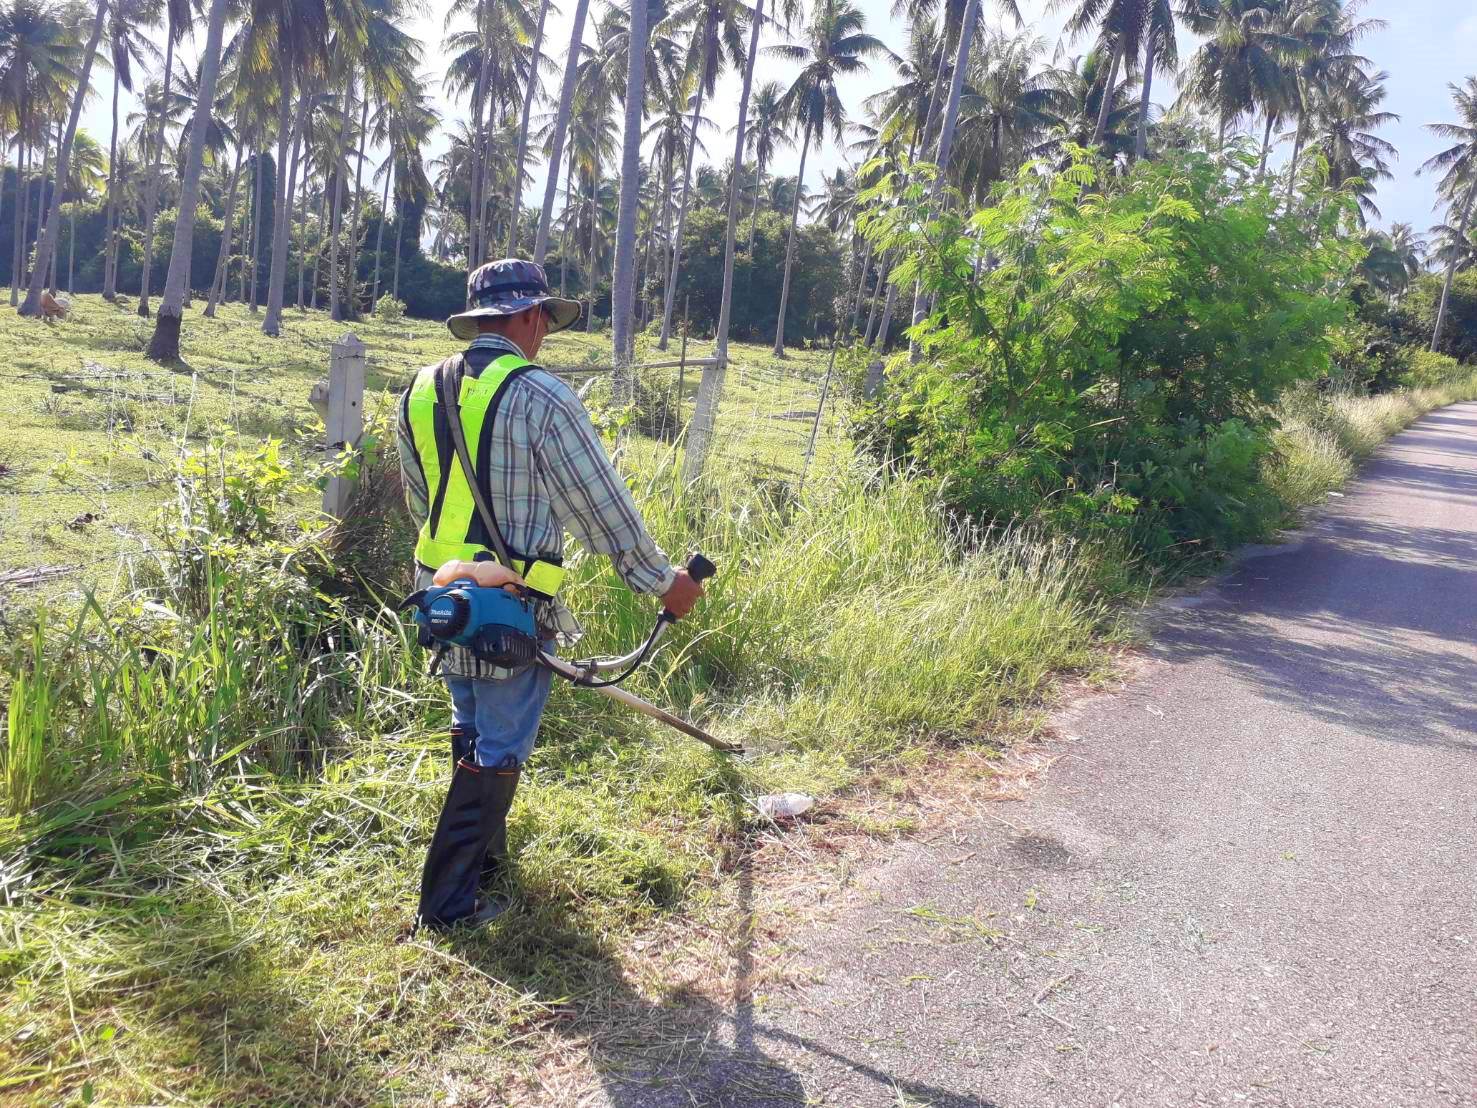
<point>507,287</point>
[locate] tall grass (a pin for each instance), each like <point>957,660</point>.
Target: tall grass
<point>1323,438</point>
<point>212,784</point>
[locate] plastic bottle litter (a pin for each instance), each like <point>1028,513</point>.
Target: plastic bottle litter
<point>784,805</point>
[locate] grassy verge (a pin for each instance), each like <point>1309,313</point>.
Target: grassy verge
<point>1324,438</point>
<point>213,804</point>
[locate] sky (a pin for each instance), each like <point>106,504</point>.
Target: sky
<point>1426,45</point>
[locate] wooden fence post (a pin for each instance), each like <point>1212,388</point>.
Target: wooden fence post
<point>343,414</point>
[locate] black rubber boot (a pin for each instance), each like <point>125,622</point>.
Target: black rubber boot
<point>500,802</point>
<point>474,815</point>
<point>463,746</point>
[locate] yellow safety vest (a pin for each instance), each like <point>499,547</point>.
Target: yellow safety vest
<point>446,533</point>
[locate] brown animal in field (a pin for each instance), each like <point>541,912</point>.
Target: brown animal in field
<point>54,307</point>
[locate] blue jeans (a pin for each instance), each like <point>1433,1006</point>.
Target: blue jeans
<point>498,719</point>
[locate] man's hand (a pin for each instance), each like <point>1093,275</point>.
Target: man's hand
<point>683,594</point>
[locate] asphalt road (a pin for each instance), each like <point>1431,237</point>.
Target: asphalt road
<point>1251,879</point>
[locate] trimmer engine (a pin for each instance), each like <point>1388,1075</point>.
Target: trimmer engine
<point>496,625</point>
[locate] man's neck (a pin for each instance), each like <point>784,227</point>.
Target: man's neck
<point>499,341</point>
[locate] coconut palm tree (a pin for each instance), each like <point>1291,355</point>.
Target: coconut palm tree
<point>1457,165</point>
<point>836,45</point>
<point>85,176</point>
<point>560,128</point>
<point>530,94</point>
<point>1451,247</point>
<point>402,126</point>
<point>717,40</point>
<point>1241,63</point>
<point>1124,27</point>
<point>46,248</point>
<point>1409,249</point>
<point>164,347</point>
<point>177,15</point>
<point>38,64</point>
<point>289,45</point>
<point>1325,32</point>
<point>1349,115</point>
<point>128,46</point>
<point>623,276</point>
<point>768,135</point>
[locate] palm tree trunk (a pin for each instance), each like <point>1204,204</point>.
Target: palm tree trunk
<point>594,240</point>
<point>882,271</point>
<point>710,386</point>
<point>528,97</point>
<point>110,254</point>
<point>351,272</point>
<point>277,279</point>
<point>478,168</point>
<point>164,347</point>
<point>399,233</point>
<point>256,239</point>
<point>1141,138</point>
<point>1292,164</point>
<point>1461,234</point>
<point>339,188</point>
<point>1261,169</point>
<point>564,230</point>
<point>623,273</point>
<point>779,329</point>
<point>151,194</point>
<point>32,306</point>
<point>561,126</point>
<point>39,259</point>
<point>328,182</point>
<point>300,156</point>
<point>22,197</point>
<point>956,88</point>
<point>861,287</point>
<point>58,186</point>
<point>754,214</point>
<point>379,236</point>
<point>879,340</point>
<point>1107,105</point>
<point>16,202</point>
<point>218,282</point>
<point>946,133</point>
<point>676,271</point>
<point>72,250</point>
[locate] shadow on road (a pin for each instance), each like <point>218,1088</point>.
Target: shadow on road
<point>1371,624</point>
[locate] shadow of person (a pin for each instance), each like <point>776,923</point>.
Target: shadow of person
<point>685,1048</point>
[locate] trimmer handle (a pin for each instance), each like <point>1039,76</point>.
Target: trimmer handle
<point>699,569</point>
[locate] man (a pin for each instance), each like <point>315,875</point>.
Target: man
<point>542,470</point>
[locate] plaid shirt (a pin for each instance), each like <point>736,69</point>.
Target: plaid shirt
<point>550,474</point>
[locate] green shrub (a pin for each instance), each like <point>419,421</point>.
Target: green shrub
<point>389,310</point>
<point>1109,367</point>
<point>1429,370</point>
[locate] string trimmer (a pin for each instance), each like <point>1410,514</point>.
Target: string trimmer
<point>497,626</point>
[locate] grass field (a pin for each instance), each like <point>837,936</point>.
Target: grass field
<point>91,428</point>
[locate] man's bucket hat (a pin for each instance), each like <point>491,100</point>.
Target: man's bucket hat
<point>507,287</point>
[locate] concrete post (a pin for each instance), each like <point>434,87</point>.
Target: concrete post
<point>341,404</point>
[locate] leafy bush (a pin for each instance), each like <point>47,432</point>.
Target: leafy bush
<point>1417,314</point>
<point>1103,356</point>
<point>389,310</point>
<point>1428,370</point>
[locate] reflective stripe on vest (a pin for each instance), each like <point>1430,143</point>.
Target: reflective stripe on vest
<point>448,540</point>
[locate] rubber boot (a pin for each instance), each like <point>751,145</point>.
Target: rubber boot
<point>463,744</point>
<point>501,800</point>
<point>476,805</point>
